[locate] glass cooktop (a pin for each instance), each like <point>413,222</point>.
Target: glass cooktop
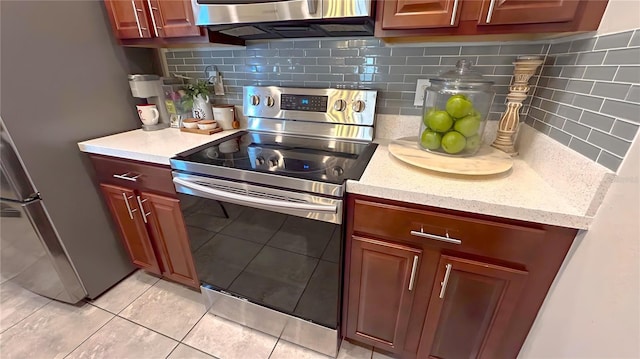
<point>324,160</point>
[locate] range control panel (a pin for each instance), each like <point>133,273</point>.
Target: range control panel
<point>306,104</point>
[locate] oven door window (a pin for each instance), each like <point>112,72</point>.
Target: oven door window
<point>284,262</point>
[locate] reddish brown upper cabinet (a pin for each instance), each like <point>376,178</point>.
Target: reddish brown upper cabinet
<point>129,19</point>
<point>424,18</point>
<point>173,18</point>
<point>384,275</point>
<point>509,12</point>
<point>424,282</point>
<point>419,14</point>
<point>144,207</point>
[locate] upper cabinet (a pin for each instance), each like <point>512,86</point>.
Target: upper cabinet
<point>137,19</point>
<point>402,18</point>
<point>159,23</point>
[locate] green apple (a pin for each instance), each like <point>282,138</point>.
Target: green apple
<point>473,143</point>
<point>453,142</point>
<point>439,121</point>
<point>430,139</point>
<point>468,126</point>
<point>459,106</point>
<point>425,118</point>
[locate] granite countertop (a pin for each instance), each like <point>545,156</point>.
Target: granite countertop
<point>149,146</point>
<point>548,183</point>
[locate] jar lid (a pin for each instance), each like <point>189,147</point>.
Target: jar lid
<point>462,75</point>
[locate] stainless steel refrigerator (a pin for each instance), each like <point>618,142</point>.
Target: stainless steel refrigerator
<point>63,80</point>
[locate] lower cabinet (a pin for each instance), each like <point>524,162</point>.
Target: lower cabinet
<point>469,309</point>
<point>424,282</point>
<point>382,288</point>
<point>145,208</point>
<point>153,232</point>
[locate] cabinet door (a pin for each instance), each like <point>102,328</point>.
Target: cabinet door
<point>420,14</point>
<point>470,308</point>
<point>170,235</point>
<point>173,18</point>
<point>128,18</point>
<point>505,12</point>
<point>122,204</point>
<point>381,290</point>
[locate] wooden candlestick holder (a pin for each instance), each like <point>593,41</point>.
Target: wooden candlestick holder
<point>525,67</point>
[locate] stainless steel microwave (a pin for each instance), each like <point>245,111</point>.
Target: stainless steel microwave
<point>262,19</point>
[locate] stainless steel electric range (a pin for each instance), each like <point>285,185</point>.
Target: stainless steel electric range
<point>264,210</point>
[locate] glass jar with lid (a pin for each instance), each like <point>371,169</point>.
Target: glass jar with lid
<point>454,114</point>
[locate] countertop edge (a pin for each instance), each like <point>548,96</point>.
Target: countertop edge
<point>136,156</point>
<point>492,209</point>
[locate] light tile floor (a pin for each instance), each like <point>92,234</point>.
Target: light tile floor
<point>141,317</point>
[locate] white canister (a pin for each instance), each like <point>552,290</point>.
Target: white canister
<point>201,108</point>
<point>224,115</point>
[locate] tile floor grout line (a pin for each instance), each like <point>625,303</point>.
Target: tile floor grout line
<point>196,349</point>
<point>274,347</point>
<point>92,334</point>
<point>196,323</point>
<point>172,350</point>
<point>141,294</point>
<point>30,314</point>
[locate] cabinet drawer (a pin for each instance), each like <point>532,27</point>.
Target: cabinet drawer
<point>135,175</point>
<point>503,241</point>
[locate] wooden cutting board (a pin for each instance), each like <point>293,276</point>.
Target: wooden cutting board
<point>487,161</point>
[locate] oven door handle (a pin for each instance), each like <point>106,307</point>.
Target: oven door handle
<point>218,194</point>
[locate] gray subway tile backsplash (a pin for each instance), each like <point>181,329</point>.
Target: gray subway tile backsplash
<point>587,97</point>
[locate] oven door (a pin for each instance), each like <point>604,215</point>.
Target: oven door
<point>275,248</point>
<point>222,12</point>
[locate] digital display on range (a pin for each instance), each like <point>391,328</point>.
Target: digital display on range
<point>304,103</point>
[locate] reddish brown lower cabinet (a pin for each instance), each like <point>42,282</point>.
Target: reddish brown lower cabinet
<point>145,209</point>
<point>469,309</point>
<point>424,282</point>
<point>383,275</point>
<point>120,201</point>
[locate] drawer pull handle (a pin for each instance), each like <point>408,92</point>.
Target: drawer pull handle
<point>436,237</point>
<point>144,215</point>
<point>453,13</point>
<point>125,176</point>
<point>445,281</point>
<point>413,272</point>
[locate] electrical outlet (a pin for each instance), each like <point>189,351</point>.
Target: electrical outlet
<point>420,87</point>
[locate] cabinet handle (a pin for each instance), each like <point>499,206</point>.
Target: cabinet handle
<point>135,12</point>
<point>313,6</point>
<point>144,215</point>
<point>490,12</point>
<point>125,176</point>
<point>436,237</point>
<point>413,272</point>
<point>126,202</point>
<point>153,18</point>
<point>445,281</point>
<point>453,13</point>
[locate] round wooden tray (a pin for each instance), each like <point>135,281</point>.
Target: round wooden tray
<point>487,161</point>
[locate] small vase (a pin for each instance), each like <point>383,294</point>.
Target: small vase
<point>202,108</point>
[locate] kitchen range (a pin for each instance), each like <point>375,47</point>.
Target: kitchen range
<point>271,200</point>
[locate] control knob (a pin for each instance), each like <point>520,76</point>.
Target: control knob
<point>337,171</point>
<point>255,100</point>
<point>358,106</point>
<point>259,161</point>
<point>273,162</point>
<point>340,105</point>
<point>270,101</point>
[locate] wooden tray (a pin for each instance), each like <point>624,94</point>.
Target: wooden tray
<point>202,132</point>
<point>487,161</point>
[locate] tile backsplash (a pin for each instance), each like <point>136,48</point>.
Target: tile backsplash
<point>587,95</point>
<point>350,63</point>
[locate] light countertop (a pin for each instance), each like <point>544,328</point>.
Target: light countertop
<point>149,146</point>
<point>548,183</point>
<point>518,194</point>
